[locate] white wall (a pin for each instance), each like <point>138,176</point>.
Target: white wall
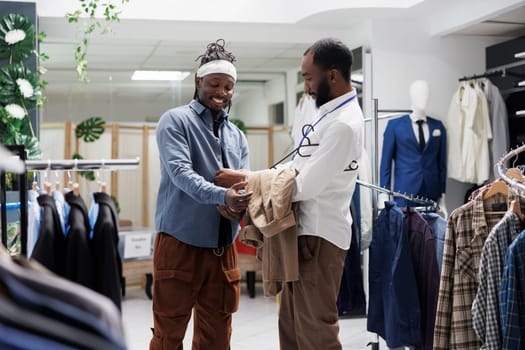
<point>402,52</point>
<point>251,107</point>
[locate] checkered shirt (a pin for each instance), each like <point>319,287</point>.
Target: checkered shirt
<point>512,296</point>
<point>467,230</point>
<point>485,310</point>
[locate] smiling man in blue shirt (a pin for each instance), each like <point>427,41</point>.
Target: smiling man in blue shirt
<point>195,262</point>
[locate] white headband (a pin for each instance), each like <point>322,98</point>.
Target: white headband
<point>217,66</point>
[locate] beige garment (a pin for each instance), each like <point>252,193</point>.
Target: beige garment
<point>270,226</point>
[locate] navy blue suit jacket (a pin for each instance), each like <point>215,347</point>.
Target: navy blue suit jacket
<point>393,309</point>
<point>417,172</point>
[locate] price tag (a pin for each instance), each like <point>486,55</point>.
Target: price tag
<point>137,245</point>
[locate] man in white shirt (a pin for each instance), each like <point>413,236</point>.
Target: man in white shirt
<point>308,318</point>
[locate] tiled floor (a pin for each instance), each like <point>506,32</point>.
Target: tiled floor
<point>254,325</point>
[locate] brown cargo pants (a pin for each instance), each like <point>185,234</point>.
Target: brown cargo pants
<point>186,279</point>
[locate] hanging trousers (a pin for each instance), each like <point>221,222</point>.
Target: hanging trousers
<point>186,279</point>
<point>308,318</point>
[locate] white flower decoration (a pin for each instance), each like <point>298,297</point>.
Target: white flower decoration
<point>25,87</point>
<point>14,36</point>
<point>15,111</point>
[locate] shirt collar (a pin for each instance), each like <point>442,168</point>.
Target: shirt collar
<point>330,105</point>
<point>415,120</point>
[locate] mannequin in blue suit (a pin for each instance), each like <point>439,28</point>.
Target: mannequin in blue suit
<point>419,169</point>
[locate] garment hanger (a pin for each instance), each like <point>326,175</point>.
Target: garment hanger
<point>498,186</point>
<point>101,186</point>
<point>76,189</point>
<point>515,207</point>
<point>47,188</point>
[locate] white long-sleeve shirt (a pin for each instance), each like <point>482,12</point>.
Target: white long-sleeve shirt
<point>322,187</point>
<point>469,134</point>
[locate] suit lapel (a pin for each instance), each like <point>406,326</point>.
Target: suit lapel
<point>408,126</point>
<point>431,127</point>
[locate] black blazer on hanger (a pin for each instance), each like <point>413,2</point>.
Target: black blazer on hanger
<point>108,266</point>
<point>79,253</point>
<point>50,246</point>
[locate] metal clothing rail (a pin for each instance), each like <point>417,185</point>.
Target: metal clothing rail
<point>82,164</point>
<point>503,72</point>
<point>417,199</point>
<point>501,169</point>
<point>55,165</point>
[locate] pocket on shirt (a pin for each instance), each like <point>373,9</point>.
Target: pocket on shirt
<point>465,263</point>
<point>234,156</point>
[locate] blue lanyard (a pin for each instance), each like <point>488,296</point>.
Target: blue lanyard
<point>311,127</point>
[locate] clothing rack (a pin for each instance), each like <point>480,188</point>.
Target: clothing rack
<point>424,201</point>
<point>55,165</point>
<point>498,72</point>
<point>82,164</point>
<point>501,171</point>
<point>375,169</point>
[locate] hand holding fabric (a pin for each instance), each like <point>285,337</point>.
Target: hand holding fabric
<point>236,199</point>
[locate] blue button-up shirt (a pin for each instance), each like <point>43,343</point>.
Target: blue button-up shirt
<point>190,155</point>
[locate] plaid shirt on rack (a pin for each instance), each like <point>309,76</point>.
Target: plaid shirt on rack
<point>467,230</point>
<point>485,310</point>
<point>512,296</point>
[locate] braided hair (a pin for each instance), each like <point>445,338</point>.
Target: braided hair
<point>215,51</point>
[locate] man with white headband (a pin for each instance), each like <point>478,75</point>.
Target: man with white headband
<point>195,262</point>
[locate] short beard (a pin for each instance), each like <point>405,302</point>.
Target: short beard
<point>322,93</point>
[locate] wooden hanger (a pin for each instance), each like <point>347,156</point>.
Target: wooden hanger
<point>101,186</point>
<point>57,185</point>
<point>515,207</point>
<point>35,186</point>
<point>515,174</point>
<point>47,188</point>
<point>498,186</point>
<point>76,189</point>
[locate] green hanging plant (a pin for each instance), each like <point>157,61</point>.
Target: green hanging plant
<point>19,85</point>
<point>90,129</point>
<point>92,11</point>
<point>17,37</point>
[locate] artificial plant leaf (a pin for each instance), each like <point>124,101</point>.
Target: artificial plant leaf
<point>90,129</point>
<point>10,90</point>
<point>31,144</point>
<point>21,50</point>
<point>89,175</point>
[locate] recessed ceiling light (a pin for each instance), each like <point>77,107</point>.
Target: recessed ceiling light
<point>159,75</point>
